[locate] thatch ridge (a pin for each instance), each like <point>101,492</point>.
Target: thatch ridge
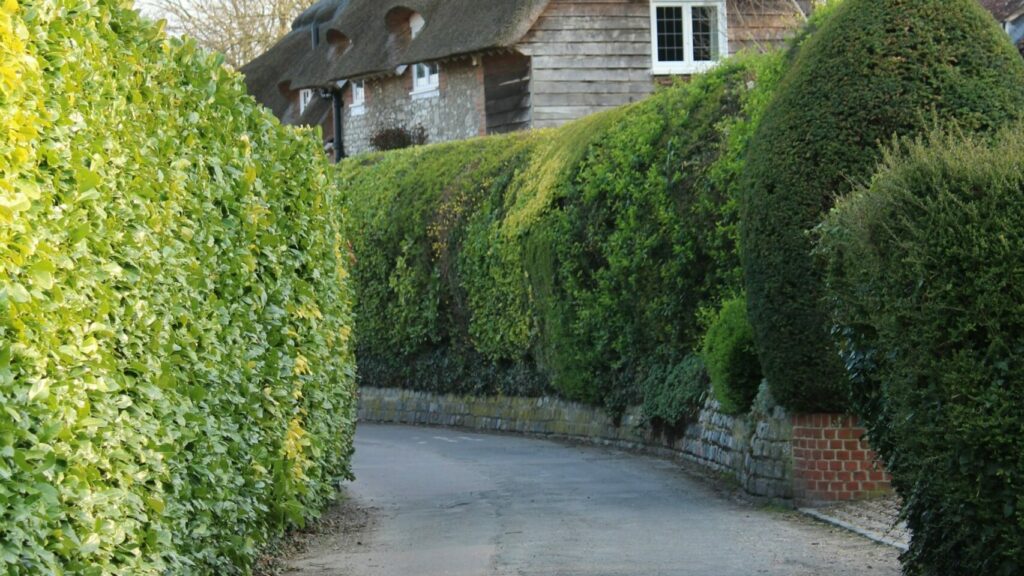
<point>453,28</point>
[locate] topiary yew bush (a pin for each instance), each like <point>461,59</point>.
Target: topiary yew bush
<point>572,260</point>
<point>871,70</point>
<point>925,285</point>
<point>731,357</point>
<point>175,379</point>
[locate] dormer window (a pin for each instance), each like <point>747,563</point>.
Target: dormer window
<point>403,24</point>
<point>305,99</point>
<point>426,80</point>
<point>338,42</point>
<point>416,24</point>
<point>687,36</point>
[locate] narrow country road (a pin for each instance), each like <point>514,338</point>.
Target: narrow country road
<point>447,502</point>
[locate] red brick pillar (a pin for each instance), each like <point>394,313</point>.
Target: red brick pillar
<point>832,461</point>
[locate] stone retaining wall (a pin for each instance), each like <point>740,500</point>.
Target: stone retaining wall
<point>756,449</point>
<point>806,458</point>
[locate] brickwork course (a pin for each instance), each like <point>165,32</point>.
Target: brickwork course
<point>832,460</point>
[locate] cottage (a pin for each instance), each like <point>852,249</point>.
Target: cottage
<point>440,70</point>
<point>464,68</point>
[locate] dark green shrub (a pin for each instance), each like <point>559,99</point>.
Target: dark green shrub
<point>398,138</point>
<point>925,282</point>
<point>175,375</point>
<point>873,69</point>
<point>731,357</point>
<point>674,393</point>
<point>571,260</point>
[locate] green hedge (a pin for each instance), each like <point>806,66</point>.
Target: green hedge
<point>175,376</point>
<point>925,281</point>
<point>572,260</point>
<point>871,70</point>
<point>671,394</point>
<point>731,357</point>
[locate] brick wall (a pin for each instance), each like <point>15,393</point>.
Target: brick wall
<point>832,460</point>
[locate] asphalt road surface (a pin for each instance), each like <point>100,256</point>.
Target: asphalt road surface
<point>433,502</point>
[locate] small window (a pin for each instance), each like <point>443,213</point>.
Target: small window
<point>358,93</point>
<point>426,79</point>
<point>358,107</point>
<point>416,23</point>
<point>305,97</point>
<point>687,36</point>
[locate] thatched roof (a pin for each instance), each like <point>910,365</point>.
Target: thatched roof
<point>266,77</point>
<point>1003,10</point>
<point>355,40</point>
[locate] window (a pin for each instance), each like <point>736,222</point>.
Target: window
<point>305,97</point>
<point>687,36</point>
<point>426,79</point>
<point>358,98</point>
<point>416,23</point>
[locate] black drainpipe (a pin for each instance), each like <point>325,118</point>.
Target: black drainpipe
<point>339,141</point>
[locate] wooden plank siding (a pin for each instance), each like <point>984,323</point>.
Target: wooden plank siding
<point>592,55</point>
<point>507,92</point>
<point>763,25</point>
<point>588,55</point>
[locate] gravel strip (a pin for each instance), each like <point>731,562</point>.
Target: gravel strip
<point>877,519</point>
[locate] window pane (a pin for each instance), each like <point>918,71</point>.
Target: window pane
<point>670,34</point>
<point>705,33</point>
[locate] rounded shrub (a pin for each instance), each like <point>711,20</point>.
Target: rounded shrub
<point>731,357</point>
<point>925,285</point>
<point>175,374</point>
<point>872,70</point>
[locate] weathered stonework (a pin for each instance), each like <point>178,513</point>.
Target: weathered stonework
<point>756,449</point>
<point>456,112</point>
<point>807,458</point>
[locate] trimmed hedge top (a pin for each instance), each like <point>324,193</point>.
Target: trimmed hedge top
<point>175,377</point>
<point>574,259</point>
<point>872,70</point>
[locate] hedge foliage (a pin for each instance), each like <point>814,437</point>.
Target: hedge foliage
<point>925,281</point>
<point>574,260</point>
<point>731,357</point>
<point>671,394</point>
<point>871,70</point>
<point>175,376</point>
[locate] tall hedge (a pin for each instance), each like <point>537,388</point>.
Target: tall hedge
<point>925,279</point>
<point>175,378</point>
<point>572,260</point>
<point>872,70</point>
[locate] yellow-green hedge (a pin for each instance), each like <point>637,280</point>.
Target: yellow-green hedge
<point>175,376</point>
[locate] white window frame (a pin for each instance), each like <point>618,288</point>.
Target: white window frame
<point>688,65</point>
<point>425,84</point>
<point>358,107</point>
<point>306,96</point>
